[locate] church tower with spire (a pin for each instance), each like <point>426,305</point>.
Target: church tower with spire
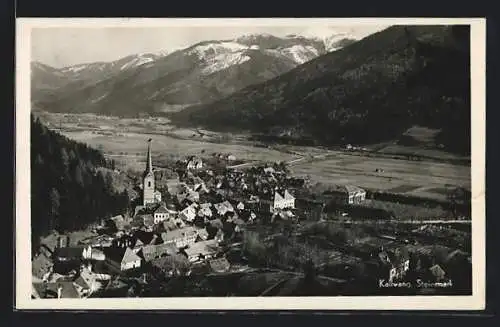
<point>148,180</point>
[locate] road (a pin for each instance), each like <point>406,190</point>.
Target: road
<point>417,222</point>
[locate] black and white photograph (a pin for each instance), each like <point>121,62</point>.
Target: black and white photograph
<point>250,163</point>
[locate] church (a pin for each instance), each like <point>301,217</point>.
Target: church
<point>149,194</point>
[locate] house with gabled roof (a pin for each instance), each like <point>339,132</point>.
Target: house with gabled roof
<point>160,214</point>
<point>219,265</point>
<point>437,272</point>
<point>181,237</point>
<point>122,259</point>
<point>397,262</point>
<point>223,207</point>
<point>172,224</point>
<point>205,210</point>
<point>188,213</point>
<point>202,234</point>
<point>87,282</point>
<point>201,250</point>
<point>283,200</point>
<point>151,252</point>
<point>194,163</point>
<point>347,194</point>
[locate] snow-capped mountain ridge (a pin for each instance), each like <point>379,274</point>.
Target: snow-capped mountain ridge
<point>217,55</point>
<point>200,73</point>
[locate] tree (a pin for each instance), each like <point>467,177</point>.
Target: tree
<point>79,175</point>
<point>55,204</point>
<point>459,198</point>
<point>64,158</point>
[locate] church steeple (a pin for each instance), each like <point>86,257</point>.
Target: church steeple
<point>148,180</point>
<point>149,167</point>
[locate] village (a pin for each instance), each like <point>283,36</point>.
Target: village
<point>202,222</point>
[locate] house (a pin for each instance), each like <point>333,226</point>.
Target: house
<point>205,210</point>
<point>219,265</point>
<point>160,214</point>
<point>172,224</point>
<point>151,252</point>
<point>68,254</point>
<point>138,245</point>
<point>437,272</point>
<point>98,241</point>
<point>194,163</point>
<point>347,194</point>
<point>397,262</point>
<point>148,221</point>
<point>283,215</point>
<point>180,237</point>
<point>91,253</point>
<point>87,282</point>
<point>230,157</point>
<point>240,206</point>
<point>146,237</point>
<point>201,250</point>
<point>283,201</point>
<point>122,259</point>
<point>41,265</point>
<point>223,208</point>
<point>57,290</point>
<point>157,196</point>
<point>188,214</point>
<point>189,195</point>
<point>202,234</point>
<point>123,241</point>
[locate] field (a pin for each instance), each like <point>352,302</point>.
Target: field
<point>420,178</point>
<point>134,145</point>
<point>125,141</point>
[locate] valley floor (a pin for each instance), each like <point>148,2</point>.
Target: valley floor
<point>381,169</point>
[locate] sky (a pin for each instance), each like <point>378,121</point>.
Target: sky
<point>66,46</point>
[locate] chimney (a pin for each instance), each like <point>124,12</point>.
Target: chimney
<point>59,291</point>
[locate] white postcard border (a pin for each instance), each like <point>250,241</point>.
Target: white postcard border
<point>22,141</point>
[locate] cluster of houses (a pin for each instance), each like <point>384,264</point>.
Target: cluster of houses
<point>205,207</point>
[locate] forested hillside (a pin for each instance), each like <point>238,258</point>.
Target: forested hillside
<point>69,188</point>
<point>370,91</point>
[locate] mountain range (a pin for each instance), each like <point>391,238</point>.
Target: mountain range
<point>367,92</point>
<point>163,82</point>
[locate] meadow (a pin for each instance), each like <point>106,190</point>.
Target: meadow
<point>420,178</point>
<point>125,141</point>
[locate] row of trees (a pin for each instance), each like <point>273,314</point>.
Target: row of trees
<point>71,184</point>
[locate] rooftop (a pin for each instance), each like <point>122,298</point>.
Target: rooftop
<point>203,248</point>
<point>49,290</point>
<point>178,233</point>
